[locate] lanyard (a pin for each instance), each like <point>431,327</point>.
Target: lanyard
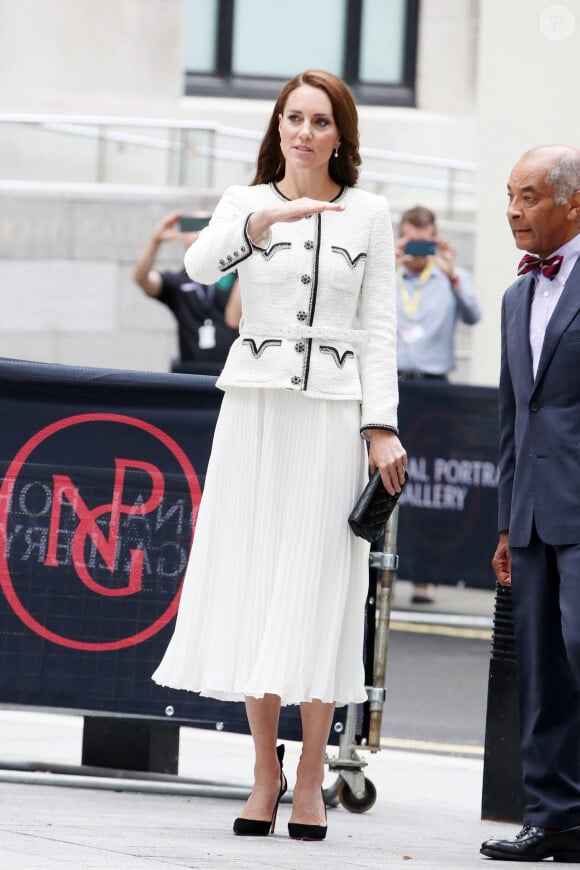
<point>205,293</point>
<point>411,303</point>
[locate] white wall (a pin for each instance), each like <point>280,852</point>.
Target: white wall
<point>447,56</point>
<point>74,54</point>
<point>529,73</point>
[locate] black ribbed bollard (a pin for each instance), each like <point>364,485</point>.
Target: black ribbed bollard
<point>502,793</point>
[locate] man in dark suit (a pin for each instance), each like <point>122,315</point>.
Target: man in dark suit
<point>538,552</point>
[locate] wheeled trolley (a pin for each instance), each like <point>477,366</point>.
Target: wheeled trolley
<point>362,727</point>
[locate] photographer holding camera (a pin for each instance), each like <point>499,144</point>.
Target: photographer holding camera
<point>206,314</point>
<point>432,295</point>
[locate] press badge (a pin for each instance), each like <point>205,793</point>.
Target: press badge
<point>412,332</point>
<point>206,335</point>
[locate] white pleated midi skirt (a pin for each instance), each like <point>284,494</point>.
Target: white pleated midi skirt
<point>274,593</point>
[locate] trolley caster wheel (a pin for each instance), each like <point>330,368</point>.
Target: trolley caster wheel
<point>354,804</point>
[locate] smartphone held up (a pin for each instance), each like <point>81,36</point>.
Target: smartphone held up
<point>190,224</point>
<point>420,248</point>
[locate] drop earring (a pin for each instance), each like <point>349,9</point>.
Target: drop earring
<point>336,151</point>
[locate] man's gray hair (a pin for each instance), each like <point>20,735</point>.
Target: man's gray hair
<point>564,178</point>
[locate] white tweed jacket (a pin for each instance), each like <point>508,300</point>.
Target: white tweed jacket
<point>318,299</point>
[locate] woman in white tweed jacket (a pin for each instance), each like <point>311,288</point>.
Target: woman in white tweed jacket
<point>273,601</point>
<point>324,283</point>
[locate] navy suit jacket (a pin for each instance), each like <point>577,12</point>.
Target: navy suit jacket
<point>539,419</point>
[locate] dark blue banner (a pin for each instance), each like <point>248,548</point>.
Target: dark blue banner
<point>448,515</point>
<point>102,473</point>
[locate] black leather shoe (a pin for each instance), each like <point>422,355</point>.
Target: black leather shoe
<point>535,844</point>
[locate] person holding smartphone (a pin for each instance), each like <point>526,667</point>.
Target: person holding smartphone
<point>207,321</point>
<point>433,295</point>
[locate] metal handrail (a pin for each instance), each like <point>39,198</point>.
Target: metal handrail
<point>394,178</point>
<point>127,121</point>
<point>96,121</point>
<point>420,160</point>
<point>98,127</point>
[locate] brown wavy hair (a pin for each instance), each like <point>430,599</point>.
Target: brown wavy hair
<point>343,169</point>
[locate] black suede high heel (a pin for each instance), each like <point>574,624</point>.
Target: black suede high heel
<point>258,827</point>
<point>309,832</point>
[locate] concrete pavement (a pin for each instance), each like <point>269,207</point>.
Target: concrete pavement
<point>452,605</point>
<point>427,813</point>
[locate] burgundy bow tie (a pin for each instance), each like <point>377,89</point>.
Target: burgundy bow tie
<point>549,267</point>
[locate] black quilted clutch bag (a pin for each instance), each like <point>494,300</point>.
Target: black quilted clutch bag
<point>370,514</point>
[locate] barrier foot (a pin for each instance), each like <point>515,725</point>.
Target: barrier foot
<point>130,744</point>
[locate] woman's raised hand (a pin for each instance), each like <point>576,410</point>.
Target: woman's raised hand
<point>287,212</point>
<point>296,209</point>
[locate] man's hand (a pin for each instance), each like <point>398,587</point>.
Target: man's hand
<point>400,255</point>
<point>145,274</point>
<point>445,259</point>
<point>501,562</point>
<point>167,229</point>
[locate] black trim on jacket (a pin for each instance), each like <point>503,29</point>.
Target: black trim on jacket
<point>257,351</point>
<point>339,360</point>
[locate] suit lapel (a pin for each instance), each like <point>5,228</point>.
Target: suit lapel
<point>566,309</point>
<point>522,325</point>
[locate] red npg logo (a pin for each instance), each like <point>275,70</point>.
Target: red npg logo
<point>88,527</point>
<point>99,548</point>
